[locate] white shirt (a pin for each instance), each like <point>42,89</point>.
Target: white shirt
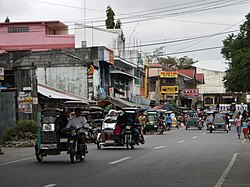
<point>77,122</point>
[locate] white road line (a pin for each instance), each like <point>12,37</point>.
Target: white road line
<point>49,185</point>
<point>117,161</point>
<point>181,141</point>
<point>243,141</point>
<point>194,137</point>
<point>160,147</point>
<point>224,174</point>
<point>14,161</point>
<point>203,133</point>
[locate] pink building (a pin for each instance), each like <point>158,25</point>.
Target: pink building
<point>34,36</point>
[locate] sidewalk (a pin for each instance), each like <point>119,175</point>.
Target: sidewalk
<point>11,154</point>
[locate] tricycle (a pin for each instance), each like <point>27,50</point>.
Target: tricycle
<point>52,141</point>
<point>121,129</point>
<point>151,122</point>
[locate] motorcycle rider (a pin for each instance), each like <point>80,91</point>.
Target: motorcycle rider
<point>79,122</point>
<point>210,120</point>
<point>133,121</point>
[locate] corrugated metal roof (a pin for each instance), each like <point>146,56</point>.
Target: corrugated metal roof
<point>55,93</point>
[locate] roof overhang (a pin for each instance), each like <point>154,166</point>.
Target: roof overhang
<point>54,93</point>
<point>123,73</point>
<point>118,59</point>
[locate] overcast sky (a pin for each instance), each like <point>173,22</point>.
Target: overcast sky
<point>197,23</point>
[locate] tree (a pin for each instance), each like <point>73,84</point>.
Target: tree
<point>7,20</point>
<point>171,62</point>
<point>236,49</point>
<point>118,24</point>
<point>110,23</point>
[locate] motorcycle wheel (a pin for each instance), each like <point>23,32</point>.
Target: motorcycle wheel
<point>98,144</point>
<point>132,146</point>
<point>39,155</point>
<point>159,130</point>
<point>72,153</point>
<point>81,152</point>
<point>211,130</point>
<point>127,142</point>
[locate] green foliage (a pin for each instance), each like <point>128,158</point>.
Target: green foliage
<point>171,62</point>
<point>236,49</point>
<point>18,131</point>
<point>110,20</point>
<point>118,24</point>
<point>7,20</point>
<point>110,23</point>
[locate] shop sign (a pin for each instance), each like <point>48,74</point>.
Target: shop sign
<point>191,92</point>
<point>169,89</point>
<point>168,74</point>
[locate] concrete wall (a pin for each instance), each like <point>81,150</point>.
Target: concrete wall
<point>213,81</point>
<point>69,79</point>
<point>110,38</point>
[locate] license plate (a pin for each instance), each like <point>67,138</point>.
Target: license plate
<point>63,140</point>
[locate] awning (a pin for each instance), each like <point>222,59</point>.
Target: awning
<point>55,93</point>
<point>118,102</point>
<point>123,73</point>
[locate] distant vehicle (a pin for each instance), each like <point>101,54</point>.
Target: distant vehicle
<point>219,123</point>
<point>151,122</point>
<point>193,122</point>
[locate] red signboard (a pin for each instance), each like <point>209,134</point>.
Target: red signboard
<point>191,92</point>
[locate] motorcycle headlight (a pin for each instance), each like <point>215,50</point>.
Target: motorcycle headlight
<point>128,127</point>
<point>73,132</point>
<point>48,127</point>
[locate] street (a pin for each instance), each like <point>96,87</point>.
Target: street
<point>177,158</point>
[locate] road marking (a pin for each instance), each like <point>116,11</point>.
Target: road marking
<point>49,185</point>
<point>117,161</point>
<point>194,137</point>
<point>203,133</point>
<point>181,141</point>
<point>243,141</point>
<point>14,161</point>
<point>224,174</point>
<point>160,147</point>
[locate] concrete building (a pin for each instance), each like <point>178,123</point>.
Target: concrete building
<point>127,67</point>
<point>34,36</point>
<point>213,90</point>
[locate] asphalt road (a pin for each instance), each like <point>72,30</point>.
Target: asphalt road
<point>176,158</point>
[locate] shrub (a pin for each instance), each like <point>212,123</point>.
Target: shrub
<point>19,131</point>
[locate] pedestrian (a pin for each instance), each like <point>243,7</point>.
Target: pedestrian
<point>238,125</point>
<point>245,129</point>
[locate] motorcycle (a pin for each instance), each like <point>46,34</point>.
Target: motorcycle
<point>161,126</point>
<point>200,124</point>
<point>77,146</point>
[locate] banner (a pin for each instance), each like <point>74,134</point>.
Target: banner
<point>1,74</point>
<point>24,104</point>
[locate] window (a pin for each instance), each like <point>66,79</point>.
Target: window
<point>18,29</point>
<point>208,100</point>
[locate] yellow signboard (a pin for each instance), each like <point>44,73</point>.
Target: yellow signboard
<point>168,74</point>
<point>169,89</point>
